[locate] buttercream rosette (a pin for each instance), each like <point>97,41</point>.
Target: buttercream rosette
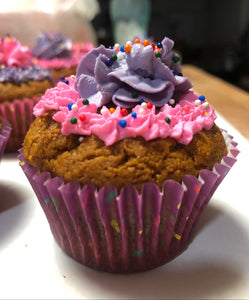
<point>56,52</point>
<point>12,53</point>
<point>132,76</point>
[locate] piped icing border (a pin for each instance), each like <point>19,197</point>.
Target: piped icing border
<point>78,116</point>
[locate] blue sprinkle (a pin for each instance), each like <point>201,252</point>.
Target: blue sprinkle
<point>159,45</point>
<point>134,115</point>
<point>123,123</point>
<point>63,79</point>
<point>110,196</point>
<point>109,62</point>
<point>173,72</point>
<point>202,98</point>
<point>141,100</point>
<point>122,49</point>
<point>69,106</point>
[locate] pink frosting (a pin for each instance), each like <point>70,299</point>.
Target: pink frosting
<point>180,122</point>
<point>77,52</point>
<point>12,53</point>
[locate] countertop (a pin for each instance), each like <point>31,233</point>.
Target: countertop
<point>228,100</point>
<point>215,265</point>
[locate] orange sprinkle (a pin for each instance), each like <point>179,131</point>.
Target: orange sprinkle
<point>137,41</point>
<point>127,48</point>
<point>146,43</point>
<point>112,110</point>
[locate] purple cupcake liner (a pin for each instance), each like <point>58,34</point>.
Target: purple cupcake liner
<point>4,136</point>
<point>126,232</point>
<point>19,113</point>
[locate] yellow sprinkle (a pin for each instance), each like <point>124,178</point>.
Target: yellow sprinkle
<point>177,236</point>
<point>141,231</point>
<point>26,245</point>
<point>22,163</point>
<point>115,225</point>
<point>206,113</point>
<point>187,218</point>
<point>179,205</point>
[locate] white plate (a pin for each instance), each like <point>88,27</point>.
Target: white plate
<point>215,265</point>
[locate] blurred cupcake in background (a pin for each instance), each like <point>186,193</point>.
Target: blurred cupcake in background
<point>21,85</point>
<point>5,130</point>
<point>58,53</point>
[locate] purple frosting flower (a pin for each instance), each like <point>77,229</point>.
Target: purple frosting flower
<point>102,77</point>
<point>51,45</point>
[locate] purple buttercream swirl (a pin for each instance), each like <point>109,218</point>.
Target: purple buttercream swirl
<point>19,75</point>
<point>51,45</point>
<point>137,75</point>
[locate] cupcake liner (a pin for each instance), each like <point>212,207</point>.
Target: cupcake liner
<point>19,113</point>
<point>126,232</point>
<point>4,135</point>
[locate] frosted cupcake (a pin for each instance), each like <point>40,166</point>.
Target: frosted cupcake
<point>58,53</point>
<point>21,85</point>
<point>5,130</point>
<point>124,158</point>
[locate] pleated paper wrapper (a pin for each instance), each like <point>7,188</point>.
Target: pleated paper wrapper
<point>4,136</point>
<point>126,232</point>
<point>19,113</point>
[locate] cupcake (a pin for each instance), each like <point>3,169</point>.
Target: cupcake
<point>5,130</point>
<point>124,157</point>
<point>21,85</point>
<point>58,53</point>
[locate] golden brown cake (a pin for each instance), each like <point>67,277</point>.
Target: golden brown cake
<point>10,91</point>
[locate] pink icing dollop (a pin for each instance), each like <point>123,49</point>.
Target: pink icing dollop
<point>12,53</point>
<point>77,51</point>
<point>180,122</point>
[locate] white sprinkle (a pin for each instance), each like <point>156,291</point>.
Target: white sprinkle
<point>129,43</point>
<point>117,45</point>
<point>205,104</point>
<point>142,111</point>
<point>144,105</point>
<point>120,55</point>
<point>81,138</point>
<point>171,101</point>
<point>103,111</point>
<point>74,107</point>
<point>197,102</point>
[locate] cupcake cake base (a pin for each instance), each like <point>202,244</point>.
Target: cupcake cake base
<point>126,232</point>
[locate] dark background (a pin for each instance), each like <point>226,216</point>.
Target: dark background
<point>213,35</point>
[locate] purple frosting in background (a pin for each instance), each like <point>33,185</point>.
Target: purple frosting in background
<point>19,75</point>
<point>138,75</point>
<point>52,45</point>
